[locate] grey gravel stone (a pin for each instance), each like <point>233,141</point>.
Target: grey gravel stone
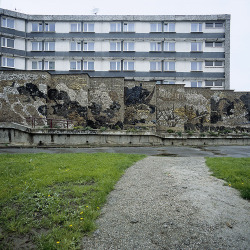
<point>150,209</point>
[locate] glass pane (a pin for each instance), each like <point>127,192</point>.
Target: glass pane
<point>194,27</point>
<point>199,84</point>
<point>166,27</point>
<point>171,82</point>
<point>193,46</point>
<point>131,46</point>
<point>10,62</point>
<point>199,65</point>
<point>209,63</point>
<point>218,83</point>
<point>153,27</point>
<point>73,46</point>
<point>209,44</point>
<point>218,63</point>
<point>131,27</point>
<point>10,24</point>
<point>34,65</point>
<point>73,27</point>
<point>166,66</point>
<point>4,22</point>
<point>194,84</point>
<point>172,66</point>
<point>218,25</point>
<point>10,43</point>
<point>199,46</point>
<point>193,66</point>
<point>209,25</point>
<point>209,83</point>
<point>112,27</point>
<point>171,46</point>
<point>152,66</point>
<point>200,27</point>
<point>52,46</point>
<point>218,44</point>
<point>91,66</point>
<point>52,27</point>
<point>40,65</point>
<point>112,65</point>
<point>73,65</point>
<point>130,65</point>
<point>51,65</point>
<point>112,46</point>
<point>91,46</point>
<point>171,27</point>
<point>91,27</point>
<point>34,27</point>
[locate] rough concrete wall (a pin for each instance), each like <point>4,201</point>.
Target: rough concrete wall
<point>22,95</point>
<point>180,108</point>
<point>140,104</point>
<point>106,106</point>
<point>68,97</point>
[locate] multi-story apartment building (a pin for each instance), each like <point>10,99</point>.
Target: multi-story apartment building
<point>191,49</point>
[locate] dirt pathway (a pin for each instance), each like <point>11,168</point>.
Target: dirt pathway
<point>172,203</point>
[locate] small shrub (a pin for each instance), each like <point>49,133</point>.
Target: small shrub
<point>88,128</point>
<point>179,133</point>
<point>170,131</point>
<point>102,129</point>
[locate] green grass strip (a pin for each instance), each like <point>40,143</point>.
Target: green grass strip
<point>50,201</point>
<point>235,171</point>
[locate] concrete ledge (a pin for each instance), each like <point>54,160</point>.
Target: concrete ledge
<point>14,135</point>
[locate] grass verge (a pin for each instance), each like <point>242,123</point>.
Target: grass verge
<point>49,201</point>
<point>235,171</point>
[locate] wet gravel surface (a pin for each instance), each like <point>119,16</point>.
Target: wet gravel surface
<point>172,203</point>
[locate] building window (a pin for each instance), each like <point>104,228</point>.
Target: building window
<point>169,66</point>
<point>155,66</point>
<point>214,44</point>
<point>37,27</point>
<point>115,46</point>
<point>75,27</point>
<point>196,27</point>
<point>128,27</point>
<point>211,25</point>
<point>88,46</point>
<point>8,22</point>
<point>216,83</point>
<point>196,47</point>
<point>49,46</point>
<point>115,27</point>
<point>128,65</point>
<point>89,27</point>
<point>75,65</point>
<point>49,27</point>
<point>88,65</point>
<point>75,46</point>
<point>196,66</point>
<point>8,62</point>
<point>155,46</point>
<point>49,65</point>
<point>36,46</point>
<point>213,63</point>
<point>37,65</point>
<point>115,65</point>
<point>168,82</point>
<point>169,46</point>
<point>169,27</point>
<point>128,46</point>
<point>7,42</point>
<point>196,84</point>
<point>156,27</point>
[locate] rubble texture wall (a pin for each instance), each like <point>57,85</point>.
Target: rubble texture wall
<point>112,102</point>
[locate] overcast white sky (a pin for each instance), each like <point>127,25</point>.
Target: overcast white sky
<point>239,10</point>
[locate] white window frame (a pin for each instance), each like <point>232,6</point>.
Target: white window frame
<point>214,83</point>
<point>128,46</point>
<point>37,28</point>
<point>88,27</point>
<point>198,46</point>
<point>8,22</point>
<point>213,64</point>
<point>169,46</point>
<point>75,46</point>
<point>196,66</point>
<point>7,62</point>
<point>76,65</point>
<point>198,84</point>
<point>5,42</point>
<point>115,46</point>
<point>169,27</point>
<point>115,65</point>
<point>37,44</point>
<point>169,65</point>
<point>78,27</point>
<point>49,46</point>
<point>115,27</point>
<point>49,27</point>
<point>128,65</point>
<point>88,46</point>
<point>156,27</point>
<point>196,27</point>
<point>156,46</point>
<point>39,65</point>
<point>128,27</point>
<point>89,65</point>
<point>48,65</point>
<point>156,66</point>
<point>214,44</point>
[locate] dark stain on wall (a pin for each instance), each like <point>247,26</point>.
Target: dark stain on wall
<point>246,100</point>
<point>43,110</point>
<point>31,90</point>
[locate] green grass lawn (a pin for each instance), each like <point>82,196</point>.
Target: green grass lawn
<point>50,201</point>
<point>235,171</point>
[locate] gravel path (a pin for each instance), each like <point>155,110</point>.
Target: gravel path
<point>172,203</point>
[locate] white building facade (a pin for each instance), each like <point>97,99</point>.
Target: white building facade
<point>190,50</point>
